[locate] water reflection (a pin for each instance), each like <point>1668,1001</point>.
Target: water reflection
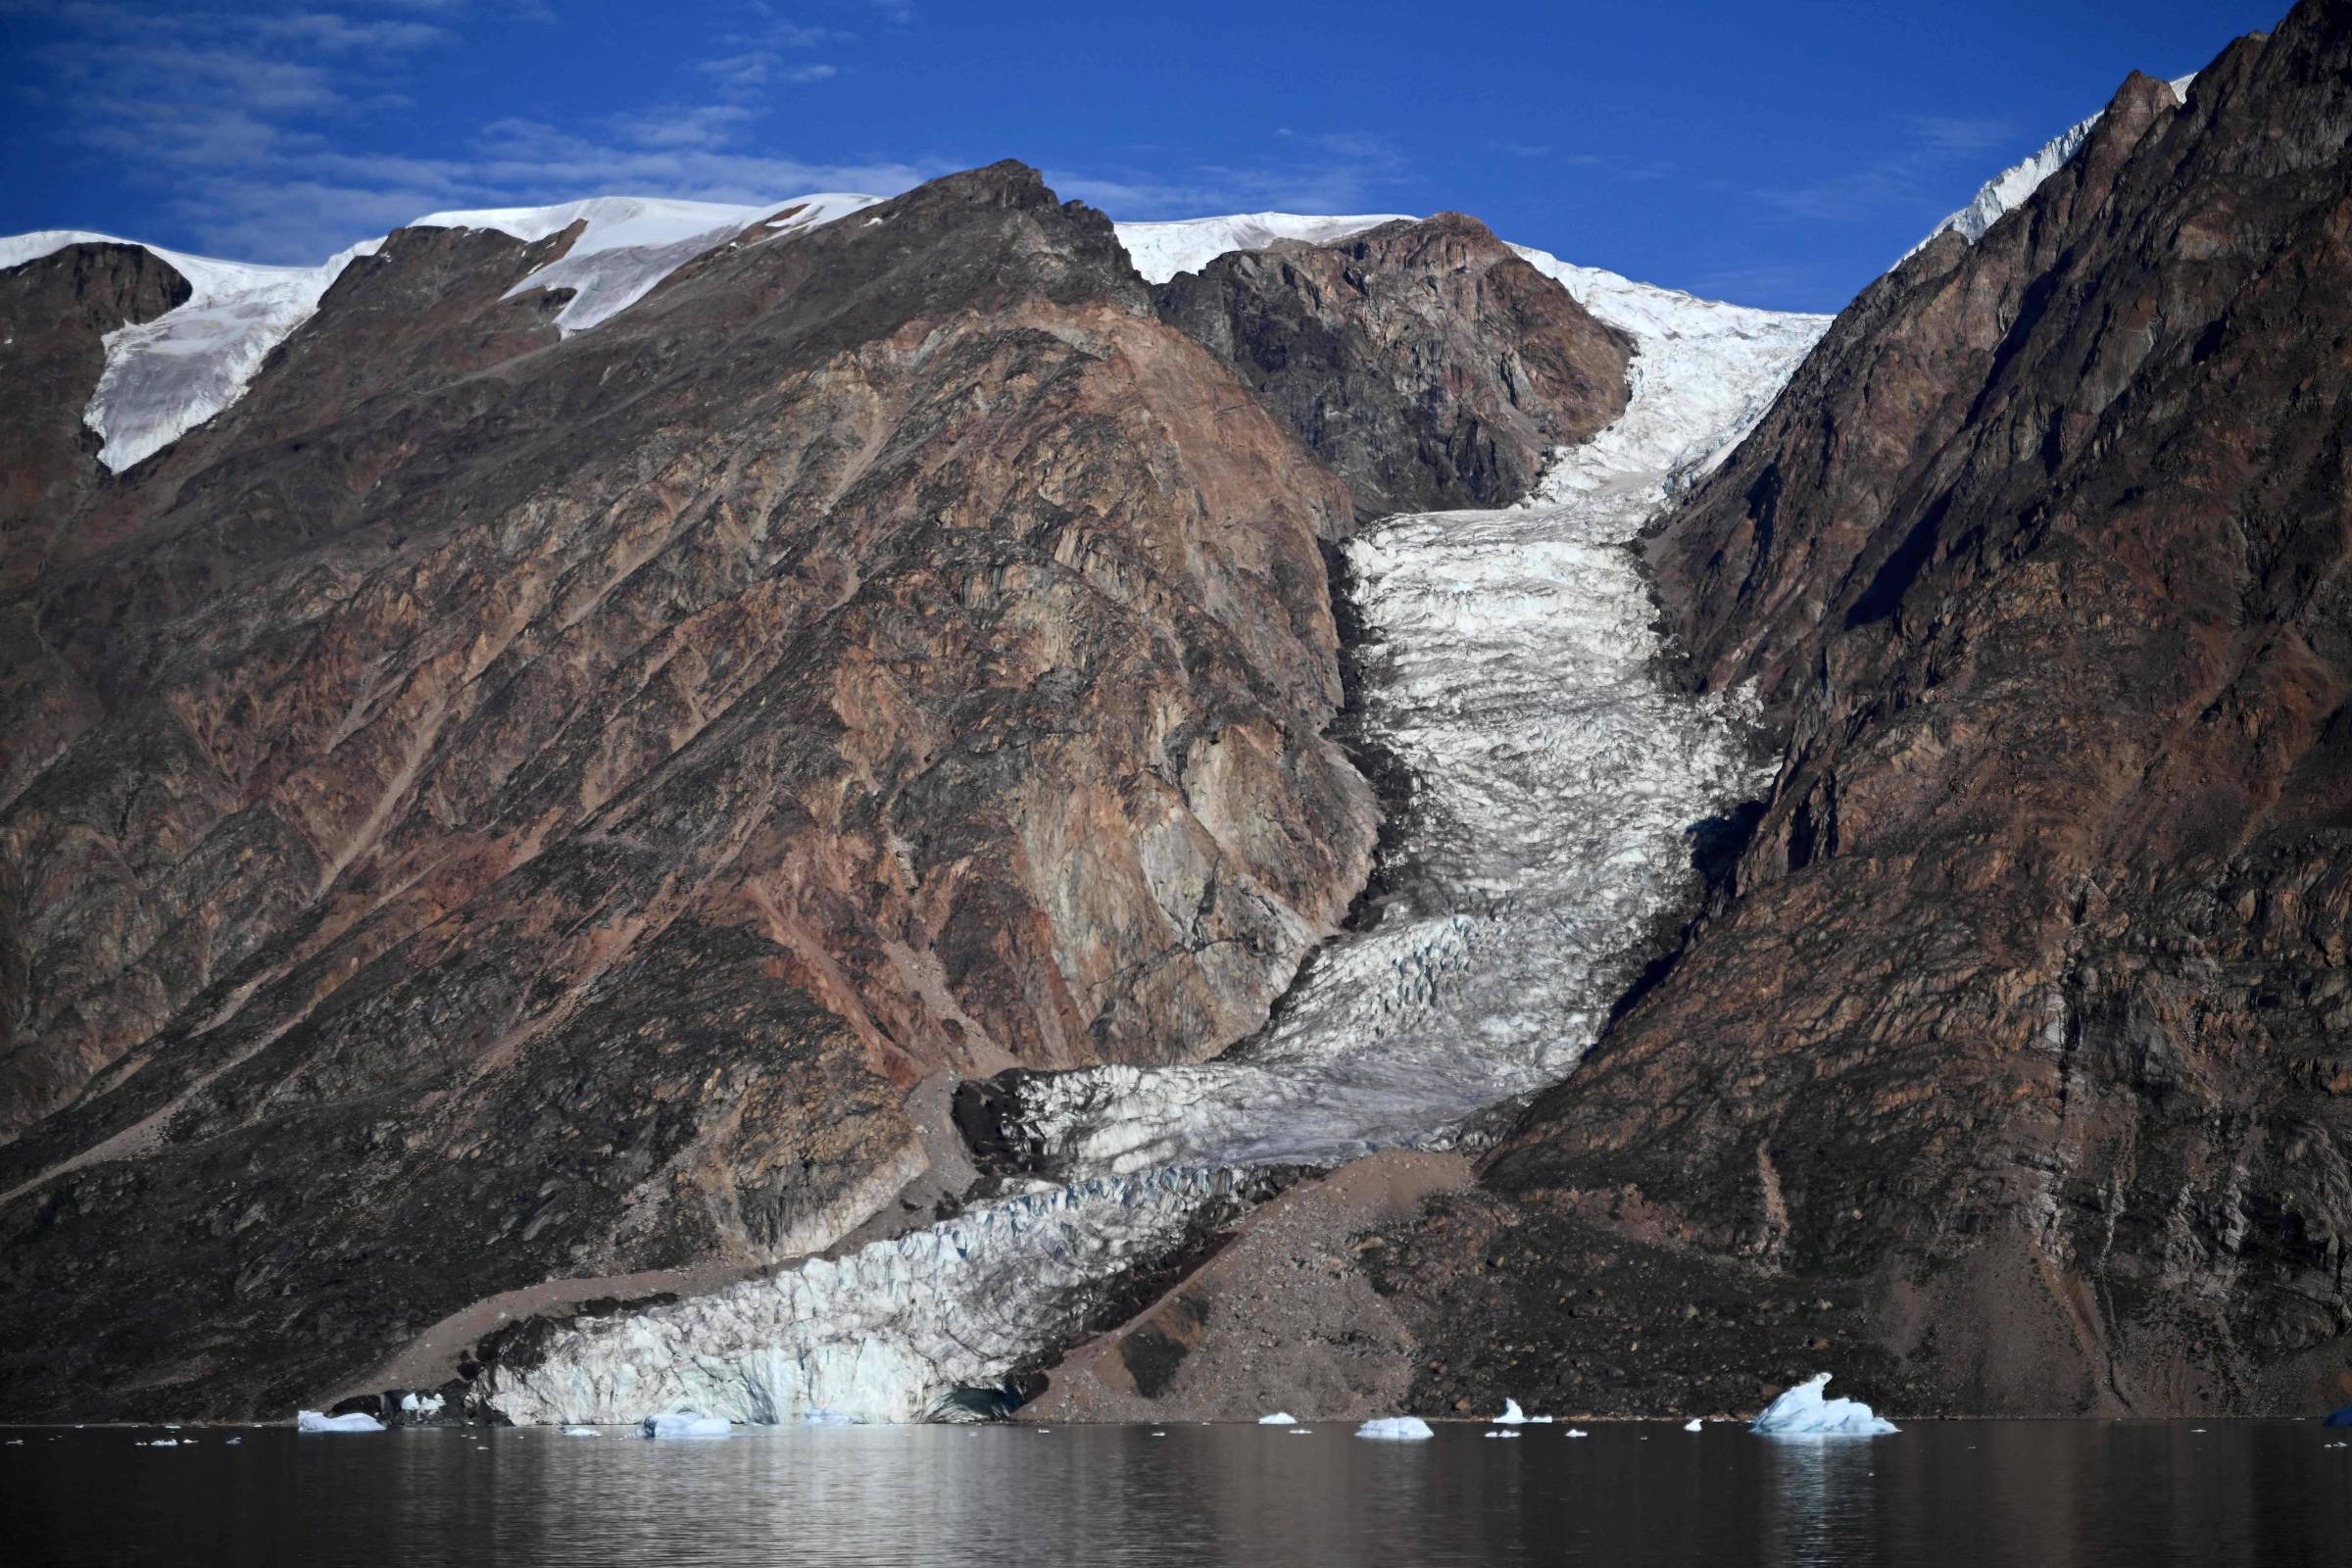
<point>2099,1494</point>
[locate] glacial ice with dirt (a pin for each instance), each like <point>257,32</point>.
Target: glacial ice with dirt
<point>1515,672</point>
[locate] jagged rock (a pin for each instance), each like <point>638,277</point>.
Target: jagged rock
<point>1424,361</point>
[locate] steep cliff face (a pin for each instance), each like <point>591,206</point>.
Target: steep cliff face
<point>495,808</point>
<point>2010,1067</point>
<point>1424,361</point>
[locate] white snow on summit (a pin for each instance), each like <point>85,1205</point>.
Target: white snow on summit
<point>2008,190</point>
<point>1159,251</point>
<point>631,243</point>
<point>167,377</point>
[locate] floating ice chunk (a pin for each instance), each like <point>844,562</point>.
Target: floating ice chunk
<point>582,1432</point>
<point>1540,1420</point>
<point>1280,1418</point>
<point>1695,1424</point>
<point>356,1421</point>
<point>1396,1429</point>
<point>822,1417</point>
<point>1802,1412</point>
<point>159,1443</point>
<point>1574,1433</point>
<point>1512,1415</point>
<point>1499,1433</point>
<point>1303,1432</point>
<point>233,1441</point>
<point>686,1424</point>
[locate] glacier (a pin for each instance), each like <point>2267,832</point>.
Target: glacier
<point>1802,1412</point>
<point>1515,673</point>
<point>1159,251</point>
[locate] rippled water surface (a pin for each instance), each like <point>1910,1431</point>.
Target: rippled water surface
<point>2027,1493</point>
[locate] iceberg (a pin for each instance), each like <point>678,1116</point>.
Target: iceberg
<point>1695,1424</point>
<point>686,1424</point>
<point>1499,1433</point>
<point>822,1417</point>
<point>1574,1433</point>
<point>319,1421</point>
<point>1801,1412</point>
<point>1512,1415</point>
<point>356,1421</point>
<point>421,1404</point>
<point>582,1432</point>
<point>1396,1429</point>
<point>1280,1418</point>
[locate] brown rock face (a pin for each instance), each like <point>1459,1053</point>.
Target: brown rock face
<point>2011,1072</point>
<point>1425,362</point>
<point>492,809</point>
<point>54,316</point>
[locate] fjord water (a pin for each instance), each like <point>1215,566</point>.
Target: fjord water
<point>2142,1493</point>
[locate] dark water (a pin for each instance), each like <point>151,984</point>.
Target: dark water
<point>2140,1493</point>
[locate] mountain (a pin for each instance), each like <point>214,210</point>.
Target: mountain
<point>617,711</point>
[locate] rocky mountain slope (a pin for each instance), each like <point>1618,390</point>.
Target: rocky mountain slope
<point>1426,362</point>
<point>523,806</point>
<point>2009,1068</point>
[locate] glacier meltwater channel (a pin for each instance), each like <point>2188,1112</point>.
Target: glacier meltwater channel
<point>1513,671</point>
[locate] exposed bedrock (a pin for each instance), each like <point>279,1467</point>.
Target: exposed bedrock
<point>1425,362</point>
<point>2012,1070</point>
<point>493,809</point>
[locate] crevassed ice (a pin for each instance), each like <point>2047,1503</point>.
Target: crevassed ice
<point>1559,778</point>
<point>2008,189</point>
<point>1558,782</point>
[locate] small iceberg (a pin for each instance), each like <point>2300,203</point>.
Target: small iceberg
<point>160,1443</point>
<point>821,1417</point>
<point>582,1432</point>
<point>1396,1429</point>
<point>1512,1415</point>
<point>1499,1433</point>
<point>686,1424</point>
<point>1280,1418</point>
<point>356,1421</point>
<point>1695,1424</point>
<point>421,1404</point>
<point>1802,1412</point>
<point>1575,1432</point>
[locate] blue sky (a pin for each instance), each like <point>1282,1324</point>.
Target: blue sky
<point>1775,154</point>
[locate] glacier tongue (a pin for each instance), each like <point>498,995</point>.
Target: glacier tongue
<point>1558,780</point>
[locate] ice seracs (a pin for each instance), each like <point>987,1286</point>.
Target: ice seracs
<point>1802,1412</point>
<point>1396,1429</point>
<point>320,1421</point>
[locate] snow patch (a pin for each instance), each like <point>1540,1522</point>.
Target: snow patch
<point>631,243</point>
<point>1802,1412</point>
<point>2009,189</point>
<point>1159,251</point>
<point>1396,1429</point>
